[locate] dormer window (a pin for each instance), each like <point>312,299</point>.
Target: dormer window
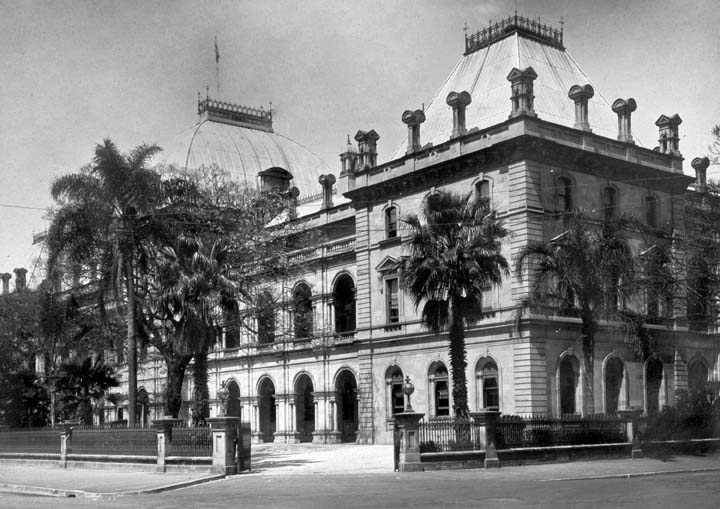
<point>391,227</point>
<point>275,179</point>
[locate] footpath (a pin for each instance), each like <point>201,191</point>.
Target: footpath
<point>306,459</point>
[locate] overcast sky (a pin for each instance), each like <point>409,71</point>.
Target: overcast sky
<point>75,72</point>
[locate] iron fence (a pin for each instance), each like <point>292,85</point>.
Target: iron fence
<point>538,431</point>
<point>30,440</point>
<point>114,441</point>
<point>187,441</point>
<point>447,434</point>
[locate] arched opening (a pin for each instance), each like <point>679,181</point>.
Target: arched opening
<point>344,303</point>
<point>651,211</point>
<point>564,190</point>
<point>142,408</point>
<point>488,387</point>
<point>233,405</point>
<point>482,193</point>
<point>304,408</point>
<point>391,223</point>
<point>439,389</point>
<point>653,383</point>
<point>568,378</point>
<point>347,405</point>
<point>697,376</point>
<point>232,326</point>
<point>265,316</point>
<point>302,312</point>
<point>609,202</point>
<point>266,409</point>
<point>698,293</point>
<point>614,369</point>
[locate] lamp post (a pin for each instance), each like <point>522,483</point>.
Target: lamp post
<point>223,394</point>
<point>408,388</point>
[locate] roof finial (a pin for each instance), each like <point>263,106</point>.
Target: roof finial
<point>562,24</point>
<point>348,138</point>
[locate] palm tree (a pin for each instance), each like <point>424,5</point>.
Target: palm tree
<point>104,216</point>
<point>189,291</point>
<point>585,271</point>
<point>455,254</point>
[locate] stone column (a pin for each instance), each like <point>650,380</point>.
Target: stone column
<point>407,425</point>
<point>225,431</point>
<point>244,440</point>
<point>629,417</point>
<point>486,423</point>
<point>66,442</point>
<point>164,437</point>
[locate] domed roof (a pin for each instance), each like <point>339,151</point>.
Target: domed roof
<point>241,141</point>
<point>482,71</point>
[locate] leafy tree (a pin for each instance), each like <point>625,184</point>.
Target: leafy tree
<point>105,214</point>
<point>81,385</point>
<point>455,253</point>
<point>586,271</point>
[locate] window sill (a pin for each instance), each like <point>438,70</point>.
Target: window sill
<point>390,242</point>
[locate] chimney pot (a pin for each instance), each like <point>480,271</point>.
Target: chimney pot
<point>700,165</point>
<point>413,119</point>
<point>458,101</point>
<point>5,282</point>
<point>580,95</point>
<point>20,281</point>
<point>624,108</point>
<point>327,182</point>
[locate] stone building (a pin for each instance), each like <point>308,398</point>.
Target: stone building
<point>518,123</point>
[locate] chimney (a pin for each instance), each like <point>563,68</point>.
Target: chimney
<point>700,164</point>
<point>581,95</point>
<point>291,198</point>
<point>367,148</point>
<point>413,119</point>
<point>6,282</point>
<point>669,141</point>
<point>458,101</point>
<point>624,108</point>
<point>348,159</point>
<point>20,282</point>
<point>521,84</point>
<point>327,181</point>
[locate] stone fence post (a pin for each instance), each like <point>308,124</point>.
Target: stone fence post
<point>243,441</point>
<point>407,425</point>
<point>225,431</point>
<point>486,422</point>
<point>164,440</point>
<point>66,442</point>
<point>629,417</point>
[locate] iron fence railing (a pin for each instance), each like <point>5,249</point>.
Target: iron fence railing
<point>30,440</point>
<point>114,441</point>
<point>186,441</point>
<point>448,434</point>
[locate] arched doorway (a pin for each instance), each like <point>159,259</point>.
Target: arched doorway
<point>344,303</point>
<point>233,405</point>
<point>304,408</point>
<point>347,405</point>
<point>653,383</point>
<point>614,370</point>
<point>267,410</point>
<point>697,375</point>
<point>568,377</point>
<point>302,312</point>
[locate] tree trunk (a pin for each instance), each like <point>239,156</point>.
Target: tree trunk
<point>588,343</point>
<point>458,363</point>
<point>131,339</point>
<point>176,366</point>
<point>202,393</point>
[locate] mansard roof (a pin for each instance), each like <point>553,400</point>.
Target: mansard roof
<point>483,71</point>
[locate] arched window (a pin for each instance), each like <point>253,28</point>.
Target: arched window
<point>651,211</point>
<point>614,370</point>
<point>564,192</point>
<point>568,378</point>
<point>609,202</point>
<point>482,192</point>
<point>234,408</point>
<point>265,316</point>
<point>439,389</point>
<point>698,293</point>
<point>344,303</point>
<point>697,375</point>
<point>653,385</point>
<point>232,326</point>
<point>391,223</point>
<point>394,383</point>
<point>488,386</point>
<point>302,312</point>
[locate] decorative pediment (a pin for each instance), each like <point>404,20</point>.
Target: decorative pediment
<point>388,265</point>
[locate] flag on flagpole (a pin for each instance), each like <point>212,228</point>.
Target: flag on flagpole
<point>217,52</point>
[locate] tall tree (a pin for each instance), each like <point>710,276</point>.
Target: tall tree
<point>455,254</point>
<point>105,214</point>
<point>586,271</point>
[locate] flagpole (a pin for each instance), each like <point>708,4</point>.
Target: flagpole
<point>217,67</point>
